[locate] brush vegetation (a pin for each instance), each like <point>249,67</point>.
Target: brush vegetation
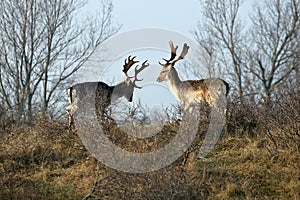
<point>257,157</point>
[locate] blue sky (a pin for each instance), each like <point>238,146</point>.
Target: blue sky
<point>175,15</point>
<point>179,16</point>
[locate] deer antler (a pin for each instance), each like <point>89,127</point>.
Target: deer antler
<point>183,53</point>
<point>128,63</point>
<point>173,53</point>
<point>136,71</point>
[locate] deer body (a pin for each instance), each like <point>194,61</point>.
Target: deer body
<point>190,91</point>
<point>103,93</point>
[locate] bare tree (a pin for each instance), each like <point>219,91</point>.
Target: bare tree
<point>221,40</point>
<point>42,44</point>
<point>275,43</point>
<point>208,54</point>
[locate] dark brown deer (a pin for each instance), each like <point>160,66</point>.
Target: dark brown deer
<point>105,94</point>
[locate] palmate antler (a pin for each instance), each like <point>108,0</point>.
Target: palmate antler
<point>173,54</point>
<point>136,71</point>
<point>128,63</point>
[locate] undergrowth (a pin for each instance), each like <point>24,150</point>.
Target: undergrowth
<point>257,157</point>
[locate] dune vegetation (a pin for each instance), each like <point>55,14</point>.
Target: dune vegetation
<point>257,157</point>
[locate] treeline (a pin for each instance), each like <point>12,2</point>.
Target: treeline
<point>261,57</point>
<point>43,43</point>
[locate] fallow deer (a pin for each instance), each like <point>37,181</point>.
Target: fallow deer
<point>105,94</point>
<point>190,91</point>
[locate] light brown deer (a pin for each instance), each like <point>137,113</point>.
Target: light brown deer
<point>190,91</point>
<point>105,94</point>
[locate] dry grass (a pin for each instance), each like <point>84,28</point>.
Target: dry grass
<point>253,160</point>
<point>42,164</point>
<point>44,161</point>
<point>253,171</point>
<point>238,168</point>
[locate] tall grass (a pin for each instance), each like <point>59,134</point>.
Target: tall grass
<point>257,157</point>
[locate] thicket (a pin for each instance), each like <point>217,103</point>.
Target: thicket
<point>257,156</point>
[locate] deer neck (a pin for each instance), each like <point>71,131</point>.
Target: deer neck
<point>119,90</point>
<point>174,82</point>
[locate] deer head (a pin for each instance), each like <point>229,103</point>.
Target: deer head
<point>127,87</point>
<point>163,75</point>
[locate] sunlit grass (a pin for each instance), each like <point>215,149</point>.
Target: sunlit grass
<point>251,161</point>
